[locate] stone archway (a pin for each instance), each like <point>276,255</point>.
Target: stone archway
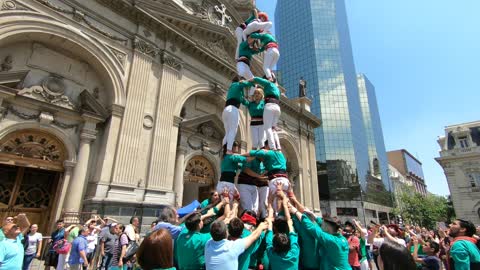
<point>293,162</point>
<point>199,179</point>
<point>31,169</point>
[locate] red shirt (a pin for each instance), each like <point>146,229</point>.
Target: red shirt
<point>354,244</point>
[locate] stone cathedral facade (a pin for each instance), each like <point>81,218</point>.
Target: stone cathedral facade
<point>114,106</point>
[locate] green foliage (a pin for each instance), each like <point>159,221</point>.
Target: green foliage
<point>425,211</point>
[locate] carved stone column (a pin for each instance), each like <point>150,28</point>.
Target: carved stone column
<point>165,137</point>
<point>103,168</point>
<point>77,185</point>
<point>131,129</point>
<point>179,172</point>
<point>67,174</point>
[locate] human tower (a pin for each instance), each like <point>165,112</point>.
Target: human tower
<point>264,167</point>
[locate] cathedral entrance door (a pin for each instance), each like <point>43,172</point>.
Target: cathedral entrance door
<point>198,180</point>
<point>28,190</point>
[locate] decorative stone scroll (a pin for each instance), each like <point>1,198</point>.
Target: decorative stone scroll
<point>199,170</point>
<point>34,144</point>
<point>171,61</point>
<point>51,91</point>
<point>145,47</point>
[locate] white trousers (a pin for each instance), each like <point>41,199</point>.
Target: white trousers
<point>273,188</point>
<point>255,26</point>
<point>231,188</point>
<point>248,197</point>
<point>62,261</point>
<point>244,71</point>
<point>270,59</point>
<point>231,118</point>
<point>262,201</point>
<point>239,36</point>
<point>258,136</point>
<point>364,265</point>
<point>271,114</point>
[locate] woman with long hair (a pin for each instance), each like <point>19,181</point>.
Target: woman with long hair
<point>156,251</point>
<point>393,256</point>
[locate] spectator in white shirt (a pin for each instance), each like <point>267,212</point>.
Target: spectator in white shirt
<point>389,233</point>
<point>221,253</point>
<point>130,229</point>
<point>34,246</point>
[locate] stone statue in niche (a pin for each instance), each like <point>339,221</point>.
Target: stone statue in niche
<point>51,91</point>
<point>7,63</point>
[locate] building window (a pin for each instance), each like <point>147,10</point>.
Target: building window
<point>347,212</point>
<point>463,142</point>
<point>474,179</point>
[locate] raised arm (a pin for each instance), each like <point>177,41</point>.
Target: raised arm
<point>260,81</point>
<point>23,222</point>
<point>371,236</point>
<point>249,240</point>
<point>360,228</point>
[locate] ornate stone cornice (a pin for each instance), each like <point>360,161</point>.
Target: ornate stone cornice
<point>170,60</point>
<point>145,47</point>
<point>80,16</point>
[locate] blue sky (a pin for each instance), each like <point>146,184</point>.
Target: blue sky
<point>422,57</point>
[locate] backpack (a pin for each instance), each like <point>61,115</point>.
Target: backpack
<point>131,250</point>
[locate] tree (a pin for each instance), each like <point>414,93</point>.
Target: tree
<point>426,211</point>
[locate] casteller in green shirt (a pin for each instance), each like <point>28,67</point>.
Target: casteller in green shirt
<point>285,261</point>
<point>244,259</point>
<point>333,247</point>
<point>269,88</point>
<point>272,160</point>
<point>236,91</point>
<point>309,256</point>
<point>190,249</point>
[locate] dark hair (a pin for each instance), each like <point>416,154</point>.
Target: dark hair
<point>59,221</point>
<point>133,218</point>
<point>350,224</point>
<point>470,229</point>
<point>280,225</point>
<point>396,257</point>
<point>434,245</point>
<point>167,214</point>
<point>332,223</point>
<point>235,144</point>
<point>281,243</point>
<point>121,227</point>
<point>235,228</point>
<point>235,79</point>
<point>156,251</point>
<point>193,221</point>
<point>218,230</point>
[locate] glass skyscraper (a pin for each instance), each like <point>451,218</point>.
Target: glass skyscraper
<point>315,44</point>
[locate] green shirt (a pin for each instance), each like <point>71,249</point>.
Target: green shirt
<point>309,256</point>
<point>73,234</point>
<point>2,235</point>
<point>463,253</point>
<point>245,51</point>
<point>205,203</point>
<point>255,165</point>
<point>244,259</point>
<point>254,109</point>
<point>333,247</point>
<point>230,163</point>
<point>273,160</point>
<point>363,249</point>
<point>190,251</point>
<point>264,38</point>
<point>269,88</point>
<point>236,90</point>
<point>288,260</point>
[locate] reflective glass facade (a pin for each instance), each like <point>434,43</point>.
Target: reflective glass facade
<point>315,44</point>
